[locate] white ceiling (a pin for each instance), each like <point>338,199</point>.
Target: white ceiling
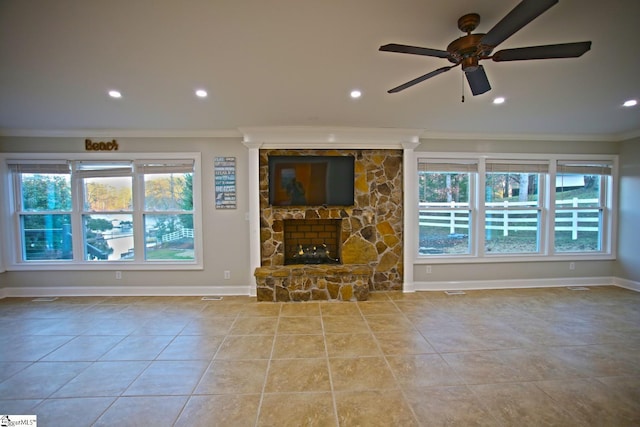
<point>294,62</point>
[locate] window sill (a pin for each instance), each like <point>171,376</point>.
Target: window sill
<point>513,258</point>
<point>114,265</point>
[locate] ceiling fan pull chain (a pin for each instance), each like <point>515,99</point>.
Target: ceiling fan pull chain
<point>462,80</point>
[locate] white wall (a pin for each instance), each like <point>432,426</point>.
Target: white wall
<point>526,274</point>
<point>225,232</point>
<point>628,265</point>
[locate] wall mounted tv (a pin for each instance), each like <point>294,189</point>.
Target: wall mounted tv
<point>311,180</point>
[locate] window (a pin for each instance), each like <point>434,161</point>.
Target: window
<point>107,200</point>
<point>97,212</point>
<point>580,205</point>
<point>43,209</point>
<point>445,206</point>
<point>168,211</point>
<point>515,207</point>
<point>512,206</point>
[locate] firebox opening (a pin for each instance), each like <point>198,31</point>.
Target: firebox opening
<point>312,241</point>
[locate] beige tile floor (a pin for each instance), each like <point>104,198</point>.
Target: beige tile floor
<point>532,357</point>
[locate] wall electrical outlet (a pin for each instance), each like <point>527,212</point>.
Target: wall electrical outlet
<point>572,266</point>
<point>428,270</point>
<point>227,274</point>
<point>118,275</point>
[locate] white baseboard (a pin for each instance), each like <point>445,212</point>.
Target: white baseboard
<point>250,290</point>
<point>627,284</point>
<point>73,291</point>
<point>470,285</point>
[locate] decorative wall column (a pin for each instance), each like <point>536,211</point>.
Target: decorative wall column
<point>410,184</point>
<point>254,211</point>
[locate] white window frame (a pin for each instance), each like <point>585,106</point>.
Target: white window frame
<point>455,165</point>
<point>10,239</point>
<point>538,167</point>
<point>546,205</point>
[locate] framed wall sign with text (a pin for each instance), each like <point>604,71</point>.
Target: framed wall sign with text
<point>225,182</point>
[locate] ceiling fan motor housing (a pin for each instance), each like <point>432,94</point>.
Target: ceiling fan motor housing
<point>467,50</point>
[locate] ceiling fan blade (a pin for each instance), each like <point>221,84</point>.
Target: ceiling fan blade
<point>521,15</point>
<point>478,81</point>
<point>420,79</point>
<point>565,50</point>
<point>425,51</point>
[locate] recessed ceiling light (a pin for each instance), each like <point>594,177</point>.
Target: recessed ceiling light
<point>498,100</point>
<point>356,93</point>
<point>115,94</point>
<point>201,93</point>
<point>630,103</point>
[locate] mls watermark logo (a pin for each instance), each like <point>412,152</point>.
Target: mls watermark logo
<point>18,420</point>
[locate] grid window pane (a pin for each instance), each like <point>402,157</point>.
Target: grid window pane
<point>108,194</point>
<point>512,231</point>
<point>169,237</point>
<point>46,237</point>
<point>511,225</point>
<point>444,214</point>
<point>168,191</point>
<point>45,192</point>
<point>444,187</point>
<point>444,232</point>
<point>108,237</point>
<point>579,212</point>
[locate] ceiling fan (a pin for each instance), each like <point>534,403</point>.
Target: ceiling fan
<point>469,50</point>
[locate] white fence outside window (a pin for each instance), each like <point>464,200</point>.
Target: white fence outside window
<point>505,221</point>
<point>177,235</point>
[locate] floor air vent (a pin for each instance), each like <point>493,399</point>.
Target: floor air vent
<point>577,288</point>
<point>454,292</point>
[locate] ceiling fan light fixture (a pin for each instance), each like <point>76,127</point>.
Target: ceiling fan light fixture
<point>470,64</point>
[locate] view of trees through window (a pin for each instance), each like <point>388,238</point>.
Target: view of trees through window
<point>512,217</point>
<point>512,207</point>
<point>46,235</point>
<point>46,216</point>
<point>168,233</point>
<point>445,214</point>
<point>579,210</point>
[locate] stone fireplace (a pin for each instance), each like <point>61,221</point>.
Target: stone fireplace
<point>366,238</point>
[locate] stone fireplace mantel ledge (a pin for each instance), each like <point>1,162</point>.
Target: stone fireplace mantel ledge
<point>312,282</point>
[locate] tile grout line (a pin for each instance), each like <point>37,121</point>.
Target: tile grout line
<point>326,352</point>
<point>266,374</point>
<point>386,361</point>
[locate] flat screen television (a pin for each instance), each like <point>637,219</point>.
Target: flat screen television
<point>311,180</point>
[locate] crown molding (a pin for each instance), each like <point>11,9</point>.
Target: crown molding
<point>517,137</point>
<point>329,137</point>
<point>326,136</point>
<point>122,133</point>
<point>628,135</point>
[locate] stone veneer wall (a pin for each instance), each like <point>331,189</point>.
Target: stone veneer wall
<point>371,229</point>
